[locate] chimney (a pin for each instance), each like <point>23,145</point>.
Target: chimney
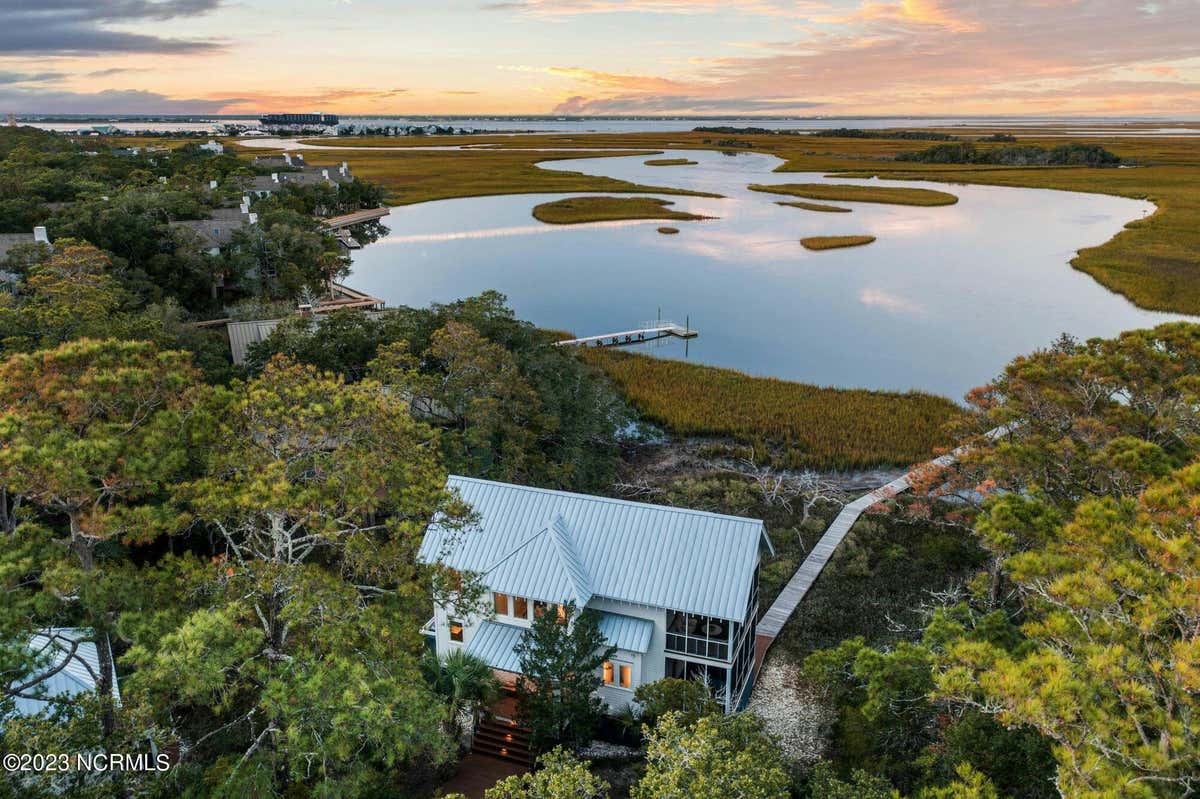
<point>275,176</point>
<point>39,235</point>
<point>325,174</point>
<point>345,167</point>
<point>245,207</point>
<point>212,184</point>
<point>253,218</point>
<point>287,157</point>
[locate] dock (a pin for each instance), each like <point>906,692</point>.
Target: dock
<point>355,218</point>
<point>652,332</point>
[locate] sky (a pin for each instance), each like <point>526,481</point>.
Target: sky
<point>670,57</point>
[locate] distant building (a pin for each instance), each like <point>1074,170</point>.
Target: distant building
<point>68,656</point>
<point>304,175</point>
<point>298,120</point>
<point>126,152</point>
<point>213,146</point>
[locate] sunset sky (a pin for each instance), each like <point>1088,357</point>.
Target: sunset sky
<point>736,57</point>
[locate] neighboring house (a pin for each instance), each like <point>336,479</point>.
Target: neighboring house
<point>243,334</point>
<point>676,589</point>
<point>301,175</point>
<point>217,231</point>
<point>9,240</point>
<point>213,146</point>
<point>71,664</point>
<point>126,152</point>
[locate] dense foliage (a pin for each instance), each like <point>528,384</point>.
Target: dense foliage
<point>1073,154</point>
<point>509,405</point>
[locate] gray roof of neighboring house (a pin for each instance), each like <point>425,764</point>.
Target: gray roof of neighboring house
<point>557,546</point>
<point>79,672</point>
<point>243,334</point>
<point>494,641</point>
<point>214,232</point>
<point>10,240</point>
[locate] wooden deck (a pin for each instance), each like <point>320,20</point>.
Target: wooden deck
<point>355,218</point>
<point>638,336</point>
<point>477,773</point>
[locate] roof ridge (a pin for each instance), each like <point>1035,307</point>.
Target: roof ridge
<point>568,554</point>
<point>612,500</point>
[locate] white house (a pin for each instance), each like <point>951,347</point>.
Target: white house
<point>68,659</point>
<point>213,146</point>
<point>676,589</point>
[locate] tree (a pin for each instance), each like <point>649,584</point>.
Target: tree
<point>466,682</point>
<point>91,435</point>
<point>300,641</point>
<point>1112,620</point>
<point>69,296</point>
<point>690,700</point>
<point>558,776</point>
<point>717,758</point>
<point>472,388</point>
<point>560,655</point>
<point>824,783</point>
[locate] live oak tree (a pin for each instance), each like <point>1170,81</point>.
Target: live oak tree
<point>560,655</point>
<point>90,436</point>
<point>298,654</point>
<point>716,758</point>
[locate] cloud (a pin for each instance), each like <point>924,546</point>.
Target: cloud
<point>255,102</point>
<point>19,100</point>
<point>681,104</point>
<point>7,78</point>
<point>575,7</point>
<point>83,27</point>
<point>932,57</point>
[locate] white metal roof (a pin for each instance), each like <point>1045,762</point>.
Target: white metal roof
<point>557,546</point>
<point>494,641</point>
<point>78,675</point>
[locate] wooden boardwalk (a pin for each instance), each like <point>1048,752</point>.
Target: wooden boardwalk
<point>770,625</point>
<point>772,622</point>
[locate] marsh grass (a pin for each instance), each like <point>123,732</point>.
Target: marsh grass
<point>835,242</point>
<point>831,209</point>
<point>892,195</point>
<point>813,426</point>
<point>671,162</point>
<point>576,210</point>
<point>668,231</point>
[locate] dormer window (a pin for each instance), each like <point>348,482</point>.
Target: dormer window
<point>456,631</point>
<point>500,604</point>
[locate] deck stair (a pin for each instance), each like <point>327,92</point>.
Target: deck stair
<point>504,739</point>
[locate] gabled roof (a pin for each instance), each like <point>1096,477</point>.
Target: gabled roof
<point>556,546</point>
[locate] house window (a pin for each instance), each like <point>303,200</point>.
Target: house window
<point>500,602</point>
<point>539,608</point>
<point>520,607</point>
<point>618,674</point>
<point>456,631</point>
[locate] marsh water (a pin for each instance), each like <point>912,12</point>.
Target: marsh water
<point>940,302</point>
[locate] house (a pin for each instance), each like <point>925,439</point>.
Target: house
<point>213,146</point>
<point>68,658</point>
<point>217,230</point>
<point>676,589</point>
<point>9,280</point>
<point>244,334</point>
<point>300,174</point>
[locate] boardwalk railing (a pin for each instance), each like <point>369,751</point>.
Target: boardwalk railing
<point>772,622</point>
<point>642,334</point>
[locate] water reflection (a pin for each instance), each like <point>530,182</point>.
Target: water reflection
<point>940,301</point>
